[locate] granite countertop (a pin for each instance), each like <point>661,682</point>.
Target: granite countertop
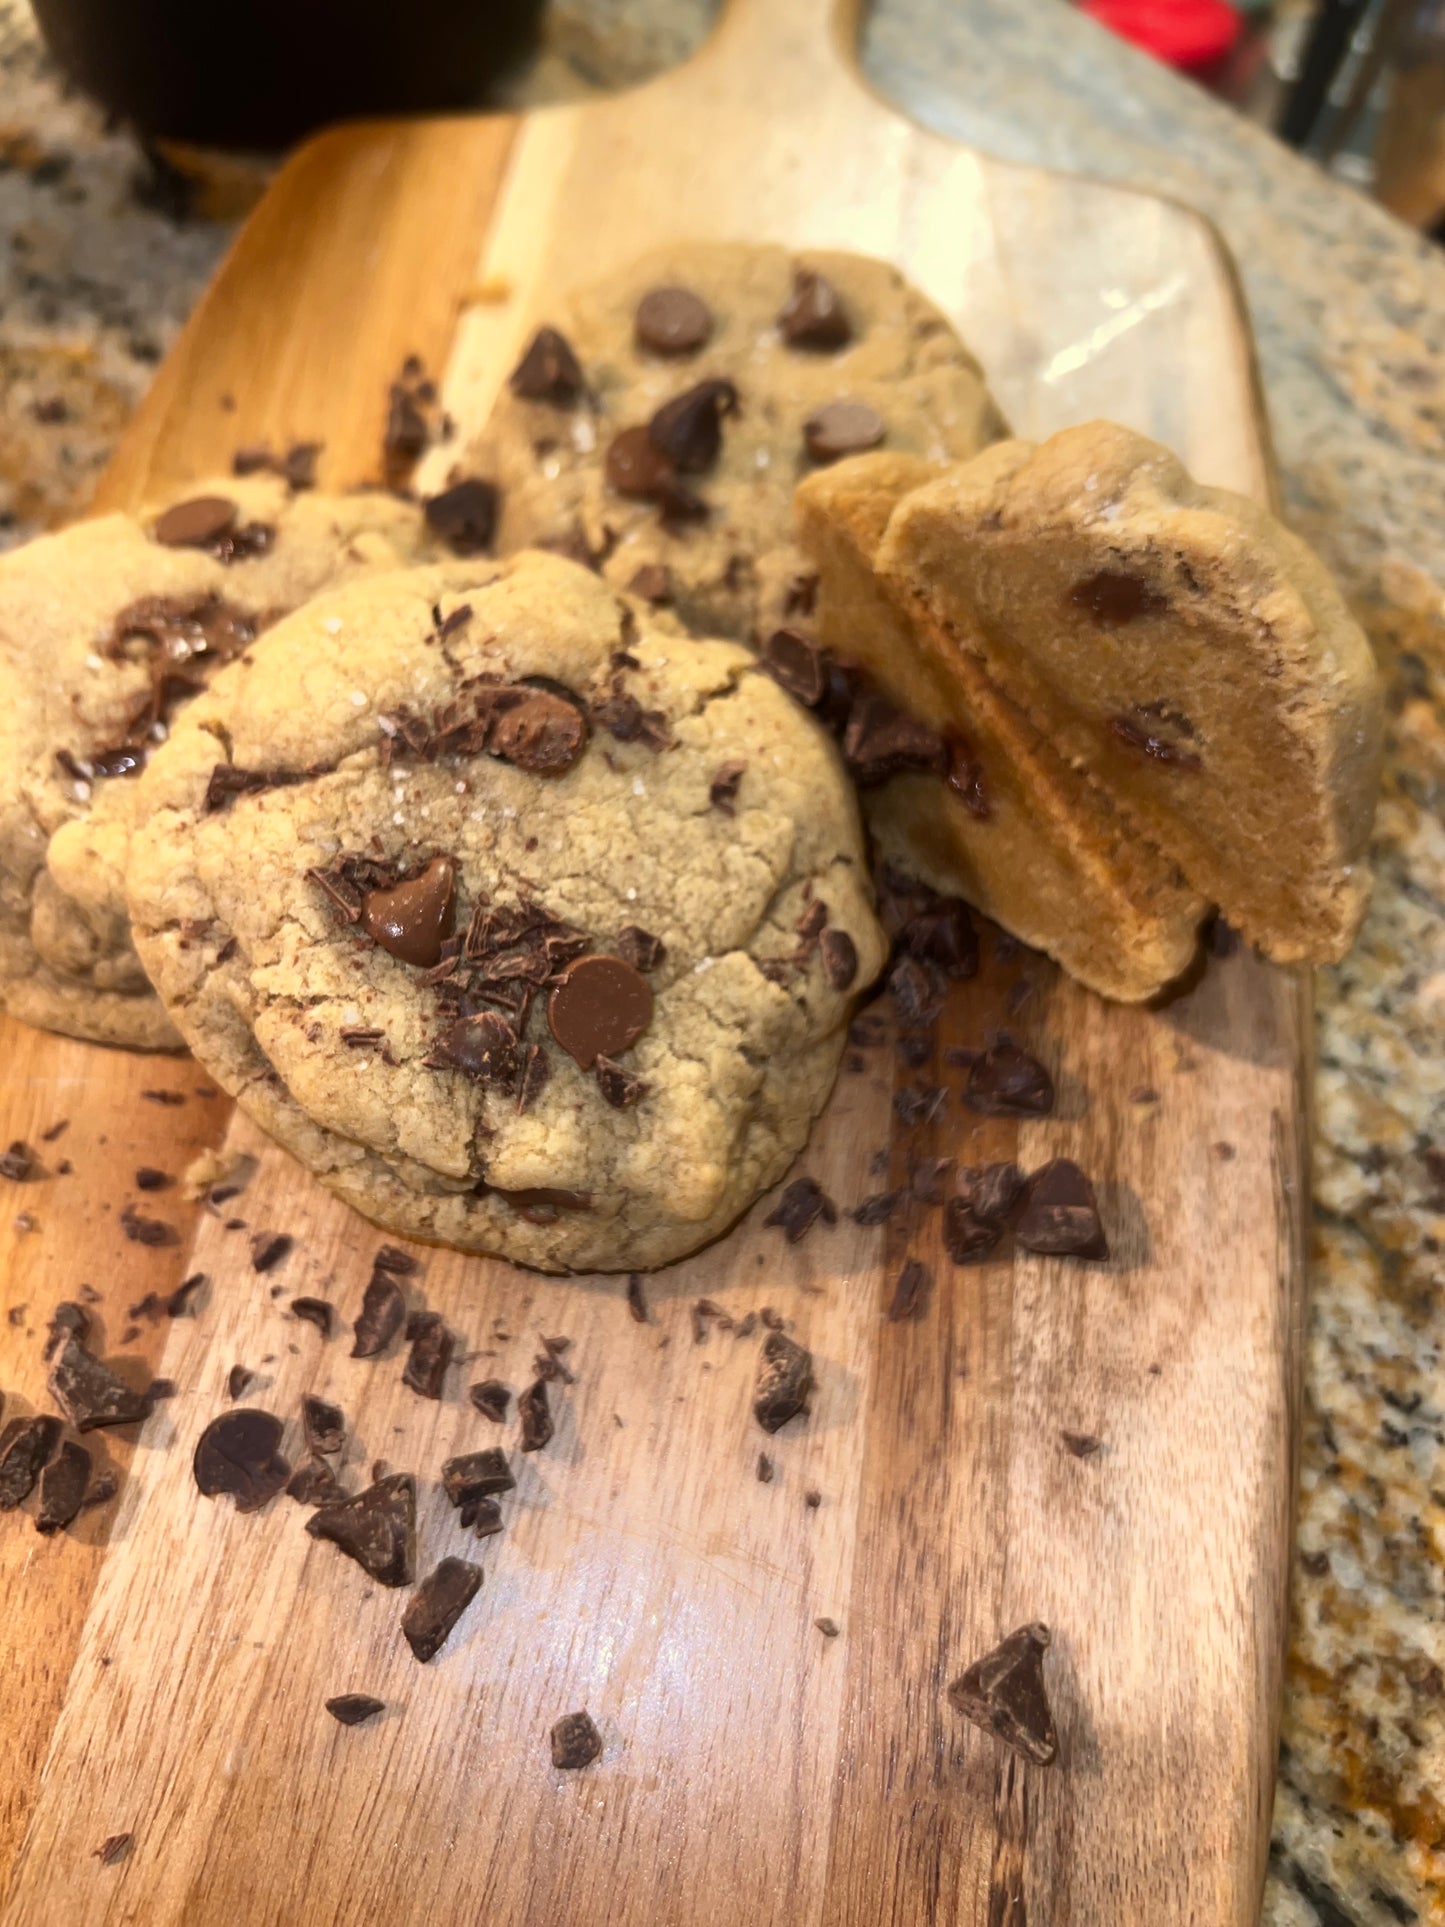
<point>106,254</point>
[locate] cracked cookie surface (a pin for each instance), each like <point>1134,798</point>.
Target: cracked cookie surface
<point>504,909</point>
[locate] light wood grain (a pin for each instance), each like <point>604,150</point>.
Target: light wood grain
<point>171,1686</point>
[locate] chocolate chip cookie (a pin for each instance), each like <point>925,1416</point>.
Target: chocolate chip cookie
<point>658,429</point>
<point>107,630</point>
<point>530,926</point>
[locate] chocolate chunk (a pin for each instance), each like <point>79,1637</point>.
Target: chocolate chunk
<point>68,1320</point>
<point>842,428</point>
<point>483,1046</point>
<point>653,582</point>
<point>491,1398</point>
<point>548,370</point>
<point>18,1163</point>
<point>484,1516</point>
<point>991,1190</point>
<point>324,1425</point>
<point>178,1304</point>
<point>1007,1082</point>
<point>637,1298</point>
<point>881,741</point>
<point>942,934</point>
<point>813,316</point>
<point>352,1708</point>
<point>432,1346</point>
<point>910,1294</point>
<point>1111,597</point>
<point>383,1313</point>
<point>237,1379</point>
<point>269,1248</point>
<point>464,515</point>
<point>639,947</point>
<point>840,958</point>
<point>796,661</point>
<point>195,524</point>
<point>964,776</point>
<point>878,1208</point>
<point>1150,737</point>
<point>765,1469</point>
<point>544,733</point>
<point>1082,1445</point>
<point>723,790</point>
<point>575,1742</point>
<point>672,321</point>
<point>829,1628</point>
<point>1061,1215</point>
<point>148,1178</point>
<point>101,1492</point>
<point>25,1446</point>
<point>62,1488</point>
<point>1004,1693</point>
<point>392,1258</point>
<point>112,1851</point>
<point>314,1483</point>
<point>410,921</point>
<point>89,1393</point>
<point>534,1410</point>
<point>240,1453</point>
<point>315,1311</point>
<point>377,1528</point>
<point>599,1006</point>
<point>688,429</point>
<point>637,468</point>
<point>785,1378</point>
<point>437,1604</point>
<point>147,1231</point>
<point>477,1475</point>
<point>967,1238</point>
<point>800,1207</point>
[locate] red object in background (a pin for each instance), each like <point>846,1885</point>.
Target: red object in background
<point>1196,36</point>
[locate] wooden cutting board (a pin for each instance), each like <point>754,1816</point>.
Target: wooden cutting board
<point>163,1666</point>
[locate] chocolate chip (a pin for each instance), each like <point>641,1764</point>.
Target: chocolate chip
<point>653,582</point>
<point>785,1378</point>
<point>1007,1082</point>
<point>1061,1215</point>
<point>575,1742</point>
<point>796,661</point>
<point>269,1249</point>
<point>147,1231</point>
<point>324,1425</point>
<point>112,1851</point>
<point>314,1483</point>
<point>383,1313</point>
<point>878,1208</point>
<point>967,1238</point>
<point>543,734</point>
<point>842,428</point>
<point>964,776</point>
<point>314,1311</point>
<point>840,958</point>
<point>352,1708</point>
<point>411,920</point>
<point>437,1604</point>
<point>89,1393</point>
<point>377,1528</point>
<point>723,790</point>
<point>672,321</point>
<point>534,1410</point>
<point>688,429</point>
<point>464,515</point>
<point>1082,1445</point>
<point>942,933</point>
<point>68,1320</point>
<point>431,1351</point>
<point>25,1447</point>
<point>237,1379</point>
<point>548,370</point>
<point>991,1190</point>
<point>799,1208</point>
<point>62,1488</point>
<point>813,316</point>
<point>639,947</point>
<point>491,1398</point>
<point>483,1046</point>
<point>599,1006</point>
<point>880,741</point>
<point>637,468</point>
<point>1111,597</point>
<point>196,523</point>
<point>477,1475</point>
<point>1004,1693</point>
<point>240,1453</point>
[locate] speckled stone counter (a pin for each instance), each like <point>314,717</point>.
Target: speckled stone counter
<point>103,257</point>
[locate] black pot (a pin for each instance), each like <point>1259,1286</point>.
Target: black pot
<point>259,73</point>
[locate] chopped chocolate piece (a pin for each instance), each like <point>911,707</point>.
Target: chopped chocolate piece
<point>148,1178</point>
<point>765,1469</point>
<point>991,1190</point>
<point>324,1425</point>
<point>484,1516</point>
<point>25,1447</point>
<point>842,428</point>
<point>965,777</point>
<point>911,1293</point>
<point>619,1087</point>
<point>1004,1693</point>
<point>269,1248</point>
<point>967,1238</point>
<point>637,468</point>
<point>599,1006</point>
<point>813,1499</point>
<point>688,429</point>
<point>477,1475</point>
<point>544,733</point>
<point>393,1259</point>
<point>914,1106</point>
<point>352,1708</point>
<point>1083,1445</point>
<point>774,1320</point>
<point>1007,1082</point>
<point>195,524</point>
<point>550,1364</point>
<point>240,1453</point>
<point>672,321</point>
<point>799,1208</point>
<point>534,1410</point>
<point>164,1097</point>
<point>723,790</point>
<point>484,1046</point>
<point>147,1231</point>
<point>913,992</point>
<point>491,1398</point>
<point>111,1852</point>
<point>536,1069</point>
<point>89,1393</point>
<point>383,1313</point>
<point>785,1378</point>
<point>1061,1215</point>
<point>432,1346</point>
<point>639,947</point>
<point>315,1311</point>
<point>926,1181</point>
<point>229,780</point>
<point>68,1320</point>
<point>1112,598</point>
<point>942,934</point>
<point>827,1627</point>
<point>882,741</point>
<point>575,1742</point>
<point>315,1483</point>
<point>813,316</point>
<point>636,1298</point>
<point>796,661</point>
<point>178,1305</point>
<point>410,921</point>
<point>548,370</point>
<point>878,1208</point>
<point>840,958</point>
<point>377,1528</point>
<point>464,515</point>
<point>237,1379</point>
<point>101,1492</point>
<point>653,582</point>
<point>437,1604</point>
<point>53,1131</point>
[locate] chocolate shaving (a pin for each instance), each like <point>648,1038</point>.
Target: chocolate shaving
<point>240,1453</point>
<point>437,1604</point>
<point>637,1299</point>
<point>314,1311</point>
<point>113,1850</point>
<point>376,1528</point>
<point>800,1207</point>
<point>1004,1693</point>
